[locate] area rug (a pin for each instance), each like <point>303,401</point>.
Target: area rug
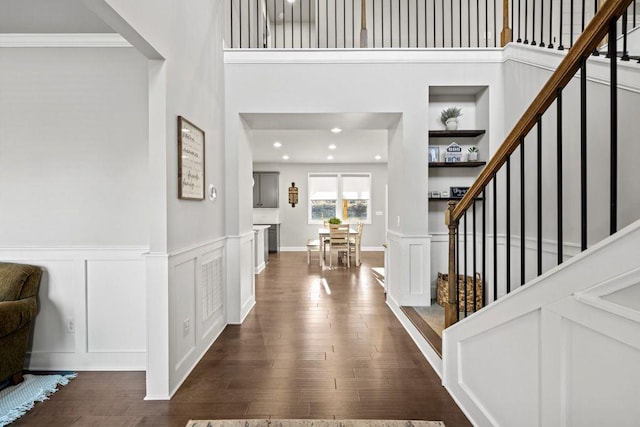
<point>313,423</point>
<point>16,400</point>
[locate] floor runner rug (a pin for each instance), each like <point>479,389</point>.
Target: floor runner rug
<point>313,423</point>
<point>16,400</point>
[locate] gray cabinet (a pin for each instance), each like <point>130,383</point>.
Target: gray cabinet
<point>265,189</point>
<point>274,238</point>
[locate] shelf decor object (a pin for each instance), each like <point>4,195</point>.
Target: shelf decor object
<point>190,160</point>
<point>453,153</point>
<point>434,154</point>
<point>449,117</point>
<point>458,192</point>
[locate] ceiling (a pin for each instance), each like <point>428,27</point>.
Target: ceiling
<point>305,138</point>
<point>49,17</point>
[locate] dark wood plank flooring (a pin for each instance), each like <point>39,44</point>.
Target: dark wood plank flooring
<point>301,353</point>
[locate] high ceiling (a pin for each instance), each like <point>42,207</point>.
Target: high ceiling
<point>306,138</point>
<point>49,17</point>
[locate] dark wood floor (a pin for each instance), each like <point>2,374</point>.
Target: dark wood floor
<point>307,350</point>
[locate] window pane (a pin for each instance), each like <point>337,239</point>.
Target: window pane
<point>322,209</point>
<point>357,209</point>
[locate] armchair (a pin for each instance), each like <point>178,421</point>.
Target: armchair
<point>19,285</point>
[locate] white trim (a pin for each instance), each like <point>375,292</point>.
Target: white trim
<point>200,245</point>
<point>63,40</point>
<point>425,348</point>
<point>597,70</point>
<point>397,234</point>
<point>68,252</point>
<point>363,56</point>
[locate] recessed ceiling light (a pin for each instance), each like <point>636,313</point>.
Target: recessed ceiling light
<point>378,157</point>
<point>332,147</point>
<point>336,130</point>
<point>329,157</point>
<point>277,144</point>
<point>291,1</point>
<point>285,157</point>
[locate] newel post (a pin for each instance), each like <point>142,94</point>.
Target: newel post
<point>451,305</point>
<point>506,36</point>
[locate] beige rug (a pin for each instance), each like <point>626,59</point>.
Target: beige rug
<point>312,423</point>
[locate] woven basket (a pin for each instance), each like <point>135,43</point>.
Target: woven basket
<point>443,291</point>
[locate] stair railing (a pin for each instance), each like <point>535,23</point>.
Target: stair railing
<point>467,295</point>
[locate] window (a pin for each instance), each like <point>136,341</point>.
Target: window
<point>342,195</point>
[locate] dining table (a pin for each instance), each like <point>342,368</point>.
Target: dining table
<point>323,233</point>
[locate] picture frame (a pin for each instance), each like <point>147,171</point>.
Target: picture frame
<point>434,154</point>
<point>191,162</point>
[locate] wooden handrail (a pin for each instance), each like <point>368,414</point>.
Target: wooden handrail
<point>582,49</point>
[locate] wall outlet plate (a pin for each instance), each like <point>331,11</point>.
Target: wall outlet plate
<point>70,325</point>
<point>186,327</point>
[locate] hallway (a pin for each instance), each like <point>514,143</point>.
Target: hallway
<point>306,350</point>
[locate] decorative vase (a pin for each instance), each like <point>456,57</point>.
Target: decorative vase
<point>451,124</point>
<point>473,156</point>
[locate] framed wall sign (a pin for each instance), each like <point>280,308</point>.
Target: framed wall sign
<point>458,192</point>
<point>190,160</point>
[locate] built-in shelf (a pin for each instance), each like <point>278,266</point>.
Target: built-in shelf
<point>463,133</point>
<point>473,164</point>
<point>446,199</point>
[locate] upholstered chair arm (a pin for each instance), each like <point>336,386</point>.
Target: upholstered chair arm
<point>16,314</point>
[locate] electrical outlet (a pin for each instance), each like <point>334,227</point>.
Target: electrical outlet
<point>186,327</point>
<point>70,326</point>
<point>398,221</point>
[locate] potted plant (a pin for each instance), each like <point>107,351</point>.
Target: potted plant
<point>449,117</point>
<point>473,153</point>
<point>335,220</point>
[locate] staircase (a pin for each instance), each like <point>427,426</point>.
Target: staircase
<point>559,341</point>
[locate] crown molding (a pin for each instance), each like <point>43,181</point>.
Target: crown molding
<point>63,40</point>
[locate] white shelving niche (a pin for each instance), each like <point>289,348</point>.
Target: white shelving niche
<point>474,102</point>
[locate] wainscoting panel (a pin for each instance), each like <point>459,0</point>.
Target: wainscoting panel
<point>182,297</point>
<point>57,306</point>
<point>115,322</point>
<point>484,370</point>
<point>408,270</point>
<point>91,308</point>
<point>563,350</point>
<point>197,280</point>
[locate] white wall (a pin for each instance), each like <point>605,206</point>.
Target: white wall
<point>367,81</point>
<point>74,147</point>
<point>295,229</point>
<point>74,183</point>
<point>527,64</point>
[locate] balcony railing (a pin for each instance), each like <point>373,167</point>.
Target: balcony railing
<point>337,24</point>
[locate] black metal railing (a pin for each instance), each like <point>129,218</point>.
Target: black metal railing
<point>544,134</point>
<point>312,24</point>
<point>544,23</point>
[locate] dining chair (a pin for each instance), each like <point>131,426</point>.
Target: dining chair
<point>355,242</point>
<point>313,245</point>
<point>339,242</point>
